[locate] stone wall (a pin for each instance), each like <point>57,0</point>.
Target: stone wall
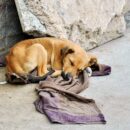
<point>10,28</point>
<point>127,13</point>
<point>127,6</point>
<point>86,22</point>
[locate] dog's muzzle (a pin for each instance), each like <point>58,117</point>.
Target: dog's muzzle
<point>66,76</point>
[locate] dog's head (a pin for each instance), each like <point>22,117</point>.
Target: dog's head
<point>76,61</point>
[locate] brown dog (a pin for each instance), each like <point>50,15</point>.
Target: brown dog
<point>41,53</point>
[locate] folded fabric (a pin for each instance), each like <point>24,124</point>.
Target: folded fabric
<point>59,99</point>
<point>101,70</point>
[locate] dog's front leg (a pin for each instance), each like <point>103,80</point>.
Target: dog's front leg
<point>42,70</point>
<point>56,73</point>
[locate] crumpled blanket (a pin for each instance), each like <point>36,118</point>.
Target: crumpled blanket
<point>59,100</point>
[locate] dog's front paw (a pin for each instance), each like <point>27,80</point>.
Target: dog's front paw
<point>56,73</point>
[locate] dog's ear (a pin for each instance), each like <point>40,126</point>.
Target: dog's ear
<point>66,50</point>
<point>92,61</point>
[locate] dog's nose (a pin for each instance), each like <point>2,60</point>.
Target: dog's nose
<point>66,76</point>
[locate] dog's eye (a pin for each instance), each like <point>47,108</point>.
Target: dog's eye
<point>80,70</point>
<point>72,64</point>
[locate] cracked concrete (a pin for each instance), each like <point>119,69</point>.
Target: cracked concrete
<point>111,93</point>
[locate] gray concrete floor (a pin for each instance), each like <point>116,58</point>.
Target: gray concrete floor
<point>111,93</point>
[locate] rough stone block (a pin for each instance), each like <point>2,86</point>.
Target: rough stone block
<point>86,22</point>
<point>10,28</point>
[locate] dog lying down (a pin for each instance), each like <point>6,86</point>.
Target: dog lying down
<point>62,56</point>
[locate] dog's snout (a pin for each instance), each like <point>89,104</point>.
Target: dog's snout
<point>66,76</point>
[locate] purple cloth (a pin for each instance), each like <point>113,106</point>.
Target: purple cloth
<point>104,70</point>
<point>59,101</point>
<point>58,113</point>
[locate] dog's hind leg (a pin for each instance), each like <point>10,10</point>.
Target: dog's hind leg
<point>37,57</point>
<point>42,63</point>
<point>42,67</point>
